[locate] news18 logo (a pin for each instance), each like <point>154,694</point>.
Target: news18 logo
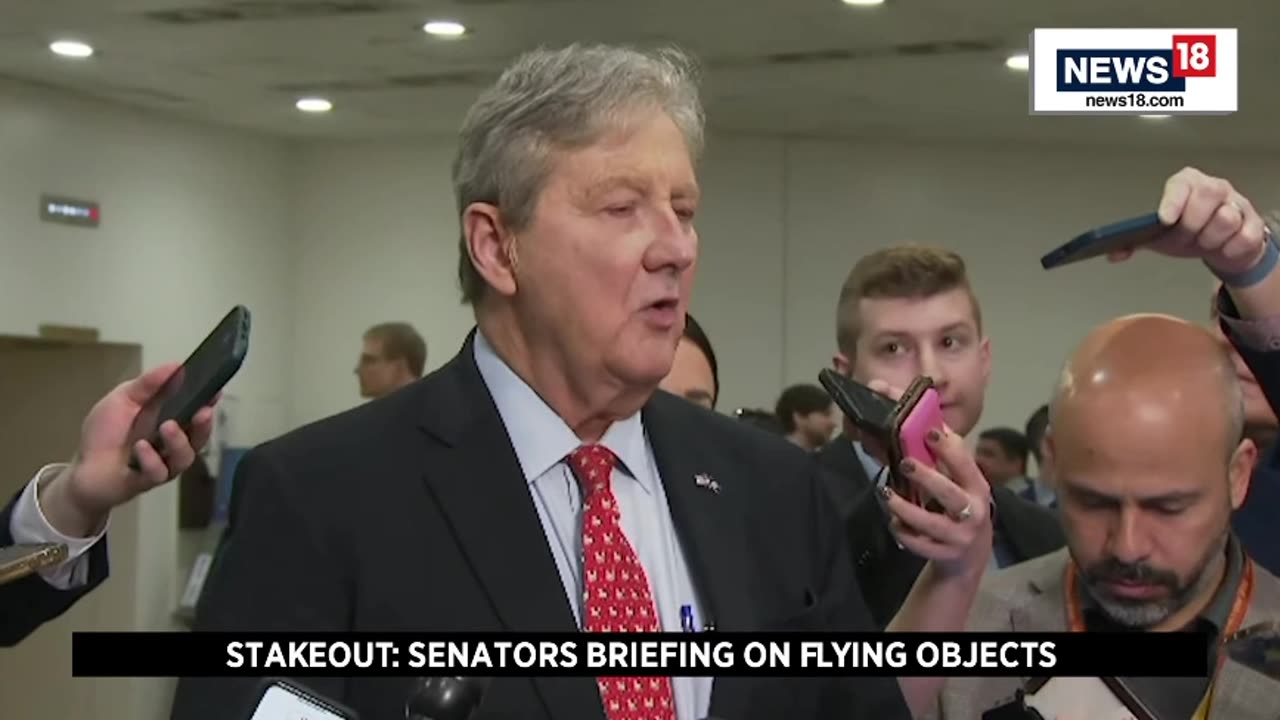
<point>1133,72</point>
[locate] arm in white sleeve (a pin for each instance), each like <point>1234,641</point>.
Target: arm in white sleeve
<point>29,525</point>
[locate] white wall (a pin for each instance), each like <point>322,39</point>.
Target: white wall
<point>783,222</point>
<point>194,221</point>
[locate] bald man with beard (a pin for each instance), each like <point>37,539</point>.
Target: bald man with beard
<point>1150,460</point>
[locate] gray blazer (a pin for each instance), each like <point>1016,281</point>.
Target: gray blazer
<point>1028,597</point>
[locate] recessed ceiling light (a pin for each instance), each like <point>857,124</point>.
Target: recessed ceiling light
<point>444,28</point>
<point>314,105</point>
<point>1019,61</point>
<point>1154,117</point>
<point>71,49</point>
<point>863,3</point>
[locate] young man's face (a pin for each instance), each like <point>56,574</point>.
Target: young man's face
<point>938,336</point>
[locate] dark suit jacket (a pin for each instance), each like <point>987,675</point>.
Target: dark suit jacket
<point>28,603</point>
<point>411,513</point>
<point>1257,522</point>
<point>886,572</point>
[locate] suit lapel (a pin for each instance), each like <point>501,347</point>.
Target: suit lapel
<point>473,474</point>
<point>1240,692</point>
<point>710,525</point>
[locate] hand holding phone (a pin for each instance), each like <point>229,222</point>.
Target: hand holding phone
<point>196,383</point>
<point>898,426</point>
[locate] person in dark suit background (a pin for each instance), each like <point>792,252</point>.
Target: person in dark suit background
<point>69,503</point>
<point>1252,346</point>
<point>906,311</point>
<point>577,194</point>
<point>694,374</point>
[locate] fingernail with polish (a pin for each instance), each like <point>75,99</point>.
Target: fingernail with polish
<point>934,435</point>
<point>908,466</point>
<point>887,492</point>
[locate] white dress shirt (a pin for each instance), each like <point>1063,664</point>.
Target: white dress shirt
<point>542,443</point>
<point>28,525</point>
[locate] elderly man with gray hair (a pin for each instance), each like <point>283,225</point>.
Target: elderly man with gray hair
<point>538,482</point>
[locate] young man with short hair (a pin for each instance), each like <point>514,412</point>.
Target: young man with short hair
<point>906,311</point>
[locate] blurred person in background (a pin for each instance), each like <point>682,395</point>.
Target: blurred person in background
<point>1257,522</point>
<point>906,311</point>
<point>70,503</point>
<point>807,415</point>
<point>694,375</point>
<point>1003,453</point>
<point>766,420</point>
<point>393,355</point>
<point>1037,426</point>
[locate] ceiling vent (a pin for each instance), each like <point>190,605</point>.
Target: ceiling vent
<point>260,10</point>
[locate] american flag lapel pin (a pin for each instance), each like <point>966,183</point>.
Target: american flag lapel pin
<point>705,481</point>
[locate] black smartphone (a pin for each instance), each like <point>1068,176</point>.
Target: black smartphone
<point>195,384</point>
<point>1123,235</point>
<point>284,700</point>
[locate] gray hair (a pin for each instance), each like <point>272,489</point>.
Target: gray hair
<point>549,100</point>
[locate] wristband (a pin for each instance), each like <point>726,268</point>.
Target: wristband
<point>1257,273</point>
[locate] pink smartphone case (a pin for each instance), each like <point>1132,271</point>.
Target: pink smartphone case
<point>925,416</point>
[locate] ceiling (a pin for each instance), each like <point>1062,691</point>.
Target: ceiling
<point>908,69</point>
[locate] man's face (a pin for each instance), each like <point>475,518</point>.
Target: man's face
<point>691,376</point>
<point>605,266</point>
<point>378,374</point>
<point>1257,411</point>
<point>902,338</point>
<point>817,427</point>
<point>1146,497</point>
<point>995,464</point>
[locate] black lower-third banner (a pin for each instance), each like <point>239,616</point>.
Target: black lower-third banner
<point>634,654</point>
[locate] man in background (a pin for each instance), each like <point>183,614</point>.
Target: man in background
<point>807,416</point>
<point>1257,522</point>
<point>1002,453</point>
<point>694,374</point>
<point>70,503</point>
<point>907,311</point>
<point>394,355</point>
<point>1037,426</point>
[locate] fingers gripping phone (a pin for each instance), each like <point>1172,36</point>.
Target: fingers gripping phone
<point>899,426</point>
<point>196,383</point>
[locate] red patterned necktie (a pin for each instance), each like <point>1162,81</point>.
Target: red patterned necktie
<point>616,595</point>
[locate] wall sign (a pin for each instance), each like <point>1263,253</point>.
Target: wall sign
<point>69,211</point>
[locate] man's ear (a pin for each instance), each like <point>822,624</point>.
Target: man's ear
<point>984,353</point>
<point>840,363</point>
<point>491,245</point>
<point>1240,471</point>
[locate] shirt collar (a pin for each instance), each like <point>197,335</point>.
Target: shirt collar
<point>870,465</point>
<point>541,438</point>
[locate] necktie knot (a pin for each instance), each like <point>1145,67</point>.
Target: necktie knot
<point>593,466</point>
